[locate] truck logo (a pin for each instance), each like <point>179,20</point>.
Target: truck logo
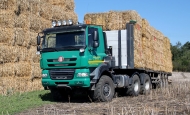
<point>60,59</point>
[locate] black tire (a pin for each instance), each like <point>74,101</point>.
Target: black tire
<point>104,90</point>
<point>56,95</point>
<point>59,94</point>
<point>147,85</point>
<point>134,89</point>
<point>161,83</point>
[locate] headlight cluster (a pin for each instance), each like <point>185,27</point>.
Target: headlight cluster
<point>82,75</point>
<point>61,23</point>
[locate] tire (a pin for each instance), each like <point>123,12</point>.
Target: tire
<point>166,81</point>
<point>59,94</point>
<point>104,90</point>
<point>147,85</point>
<point>56,95</point>
<point>161,83</point>
<point>134,89</point>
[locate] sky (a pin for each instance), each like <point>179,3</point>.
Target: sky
<point>171,17</point>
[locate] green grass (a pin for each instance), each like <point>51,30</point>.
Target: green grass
<point>22,101</point>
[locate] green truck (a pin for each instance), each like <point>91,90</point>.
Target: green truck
<point>83,57</point>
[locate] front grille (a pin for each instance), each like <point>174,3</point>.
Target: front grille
<point>62,74</point>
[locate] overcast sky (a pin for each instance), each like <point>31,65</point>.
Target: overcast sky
<point>171,17</point>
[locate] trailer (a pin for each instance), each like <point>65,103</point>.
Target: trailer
<point>83,57</point>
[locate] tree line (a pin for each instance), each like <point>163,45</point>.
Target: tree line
<point>181,56</point>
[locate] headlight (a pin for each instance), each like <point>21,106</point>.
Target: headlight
<point>82,50</point>
<point>64,22</point>
<point>70,22</point>
<point>59,23</point>
<point>53,23</point>
<point>82,75</point>
<point>44,75</point>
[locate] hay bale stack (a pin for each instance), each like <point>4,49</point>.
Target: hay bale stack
<point>149,44</point>
<point>20,23</point>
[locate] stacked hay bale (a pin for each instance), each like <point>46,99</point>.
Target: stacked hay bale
<point>151,48</point>
<point>20,22</point>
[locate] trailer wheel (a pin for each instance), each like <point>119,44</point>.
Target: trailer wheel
<point>147,86</point>
<point>134,89</point>
<point>166,81</point>
<point>161,82</point>
<point>104,90</point>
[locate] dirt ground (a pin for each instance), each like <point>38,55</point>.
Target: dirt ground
<point>174,100</point>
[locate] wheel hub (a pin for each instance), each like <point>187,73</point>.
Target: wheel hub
<point>106,90</point>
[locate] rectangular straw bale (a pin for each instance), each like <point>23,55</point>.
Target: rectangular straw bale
<point>22,7</point>
<point>21,37</point>
<point>22,21</point>
<point>35,23</point>
<point>7,4</point>
<point>32,37</point>
<point>6,34</point>
<point>18,84</point>
<point>146,29</point>
<point>46,11</point>
<point>66,5</point>
<point>23,54</point>
<point>36,70</point>
<point>8,53</point>
<point>34,6</point>
<point>22,69</point>
<point>115,20</point>
<point>58,14</point>
<point>34,58</point>
<point>45,24</point>
<point>131,15</point>
<point>7,70</point>
<point>7,18</point>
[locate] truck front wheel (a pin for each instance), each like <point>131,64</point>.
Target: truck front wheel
<point>104,90</point>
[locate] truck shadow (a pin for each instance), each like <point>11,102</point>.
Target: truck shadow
<point>79,98</point>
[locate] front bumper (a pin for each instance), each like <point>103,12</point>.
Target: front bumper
<point>80,82</point>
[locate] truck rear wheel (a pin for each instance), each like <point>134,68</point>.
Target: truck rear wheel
<point>134,89</point>
<point>104,90</point>
<point>147,86</point>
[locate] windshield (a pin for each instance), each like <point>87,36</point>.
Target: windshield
<point>64,40</point>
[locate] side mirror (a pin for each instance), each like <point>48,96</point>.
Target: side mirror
<point>38,48</point>
<point>95,44</point>
<point>95,36</point>
<point>38,39</point>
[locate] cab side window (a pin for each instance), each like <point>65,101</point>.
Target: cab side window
<point>91,35</point>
